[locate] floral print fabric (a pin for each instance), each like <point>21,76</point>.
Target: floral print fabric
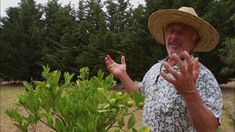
<point>164,109</point>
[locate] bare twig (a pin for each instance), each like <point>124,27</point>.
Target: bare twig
<point>61,118</point>
<point>111,124</point>
<point>52,127</point>
<point>132,112</point>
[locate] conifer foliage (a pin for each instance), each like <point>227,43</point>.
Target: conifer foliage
<point>69,38</point>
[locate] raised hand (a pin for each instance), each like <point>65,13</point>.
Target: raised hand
<point>184,80</point>
<point>116,69</point>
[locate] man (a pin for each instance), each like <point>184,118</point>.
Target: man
<point>181,94</point>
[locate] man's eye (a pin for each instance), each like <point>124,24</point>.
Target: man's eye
<point>170,31</point>
<point>183,33</point>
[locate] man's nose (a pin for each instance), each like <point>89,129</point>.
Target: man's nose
<point>173,35</point>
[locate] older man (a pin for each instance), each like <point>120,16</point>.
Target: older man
<point>181,94</point>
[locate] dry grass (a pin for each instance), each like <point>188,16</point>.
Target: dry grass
<point>228,115</point>
<point>9,97</point>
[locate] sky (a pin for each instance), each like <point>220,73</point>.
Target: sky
<point>13,3</point>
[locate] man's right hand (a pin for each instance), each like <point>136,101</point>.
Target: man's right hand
<point>119,71</point>
<point>116,69</point>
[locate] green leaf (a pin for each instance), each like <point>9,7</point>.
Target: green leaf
<point>102,111</point>
<point>100,74</point>
<point>13,113</point>
<point>55,77</point>
<point>59,125</point>
<point>24,127</point>
<point>138,98</point>
<point>134,130</point>
<point>49,119</point>
<point>45,72</point>
<point>131,121</point>
<point>109,81</point>
<point>145,129</point>
<point>67,77</point>
<point>28,86</point>
<point>102,91</point>
<point>22,100</point>
<point>121,122</point>
<point>39,83</point>
<point>84,73</point>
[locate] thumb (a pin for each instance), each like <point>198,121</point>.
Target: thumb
<point>123,61</point>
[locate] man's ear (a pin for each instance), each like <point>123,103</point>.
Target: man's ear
<point>196,39</point>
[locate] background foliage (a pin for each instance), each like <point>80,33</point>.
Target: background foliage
<point>67,38</point>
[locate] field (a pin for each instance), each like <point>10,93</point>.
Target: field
<point>9,96</point>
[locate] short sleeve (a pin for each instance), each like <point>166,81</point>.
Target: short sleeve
<point>141,87</point>
<point>210,91</point>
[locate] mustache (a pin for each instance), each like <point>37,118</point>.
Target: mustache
<point>175,42</point>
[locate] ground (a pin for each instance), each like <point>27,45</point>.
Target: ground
<point>9,96</point>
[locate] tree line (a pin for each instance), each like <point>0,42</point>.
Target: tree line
<point>69,38</point>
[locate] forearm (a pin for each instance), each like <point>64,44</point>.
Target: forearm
<point>128,84</point>
<point>199,115</point>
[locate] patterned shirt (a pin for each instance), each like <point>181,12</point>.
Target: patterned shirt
<point>164,108</point>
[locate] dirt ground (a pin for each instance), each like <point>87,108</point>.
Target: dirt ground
<point>9,97</point>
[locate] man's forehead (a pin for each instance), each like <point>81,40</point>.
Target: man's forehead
<point>181,25</point>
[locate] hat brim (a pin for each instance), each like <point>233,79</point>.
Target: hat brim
<point>209,37</point>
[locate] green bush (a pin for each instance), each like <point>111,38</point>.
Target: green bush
<point>87,105</point>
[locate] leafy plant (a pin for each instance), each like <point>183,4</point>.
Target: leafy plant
<point>84,105</point>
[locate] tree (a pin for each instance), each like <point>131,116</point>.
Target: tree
<point>228,57</point>
<point>68,39</point>
<point>59,36</point>
<point>221,15</point>
<point>118,13</point>
<point>22,38</point>
<point>8,50</point>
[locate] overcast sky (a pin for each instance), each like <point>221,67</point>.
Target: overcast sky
<point>13,3</point>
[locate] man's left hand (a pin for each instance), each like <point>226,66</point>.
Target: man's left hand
<point>184,80</point>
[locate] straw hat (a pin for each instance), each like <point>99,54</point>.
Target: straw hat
<point>209,37</point>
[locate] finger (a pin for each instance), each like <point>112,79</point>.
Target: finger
<point>196,68</point>
<point>189,61</point>
<point>109,67</point>
<point>171,70</point>
<point>106,60</point>
<point>169,79</point>
<point>123,60</point>
<point>110,59</point>
<point>180,64</point>
<point>171,61</point>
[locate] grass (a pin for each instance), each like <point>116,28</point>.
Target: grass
<point>228,113</point>
<point>9,97</point>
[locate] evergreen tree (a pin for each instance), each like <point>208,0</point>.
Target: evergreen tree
<point>221,15</point>
<point>22,39</point>
<point>10,32</point>
<point>68,39</point>
<point>59,35</point>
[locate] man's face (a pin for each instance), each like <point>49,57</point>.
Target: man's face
<point>179,38</point>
